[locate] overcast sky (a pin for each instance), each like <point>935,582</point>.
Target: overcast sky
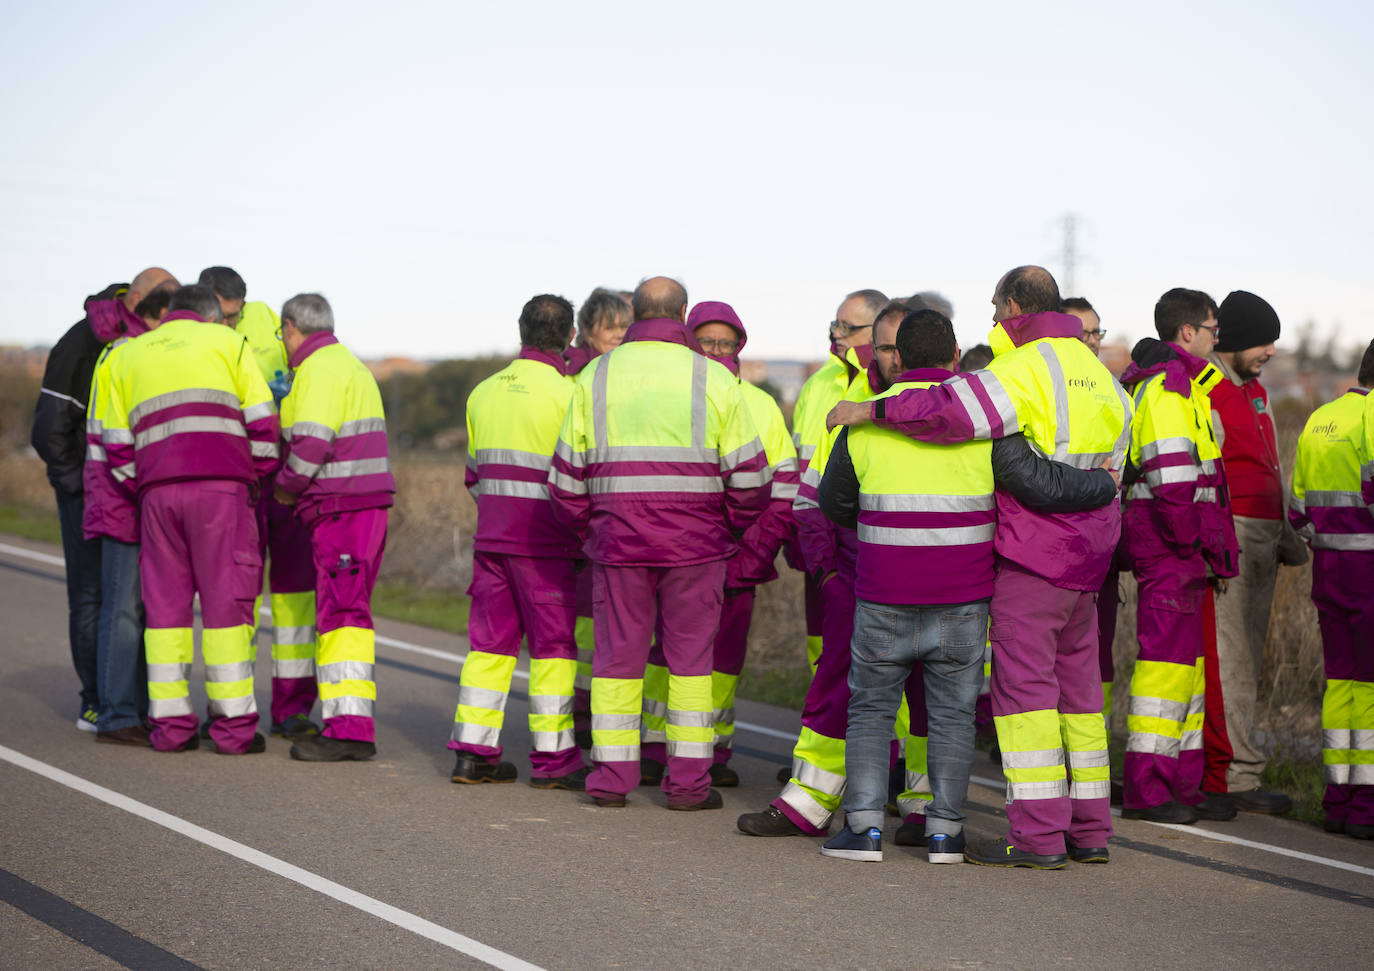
<point>430,166</point>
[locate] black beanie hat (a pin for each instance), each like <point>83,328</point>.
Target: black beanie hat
<point>1245,321</point>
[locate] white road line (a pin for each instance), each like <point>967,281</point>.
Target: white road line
<point>392,915</point>
<point>791,736</point>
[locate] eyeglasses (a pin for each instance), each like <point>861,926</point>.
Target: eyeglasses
<point>838,328</point>
<point>1209,327</point>
<point>722,346</point>
<point>1098,334</point>
<point>278,332</point>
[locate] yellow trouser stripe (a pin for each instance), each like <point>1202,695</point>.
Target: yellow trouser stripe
<point>348,644</point>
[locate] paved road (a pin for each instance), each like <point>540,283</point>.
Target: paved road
<point>113,856</point>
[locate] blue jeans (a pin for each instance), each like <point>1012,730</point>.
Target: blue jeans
<point>83,593</point>
<point>889,640</point>
<point>123,668</point>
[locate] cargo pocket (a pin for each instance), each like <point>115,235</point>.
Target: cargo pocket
<point>345,584</point>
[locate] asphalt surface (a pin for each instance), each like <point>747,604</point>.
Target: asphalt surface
<point>112,856</point>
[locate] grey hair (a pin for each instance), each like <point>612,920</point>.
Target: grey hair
<point>874,300</point>
<point>309,312</point>
<point>931,300</point>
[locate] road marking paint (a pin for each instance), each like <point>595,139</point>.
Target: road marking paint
<point>791,736</point>
<point>392,915</point>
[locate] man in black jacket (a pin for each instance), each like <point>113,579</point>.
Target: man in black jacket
<point>59,438</point>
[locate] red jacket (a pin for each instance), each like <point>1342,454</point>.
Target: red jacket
<point>1249,449</point>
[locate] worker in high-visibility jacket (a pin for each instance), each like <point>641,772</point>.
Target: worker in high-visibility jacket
<point>336,472</point>
<point>851,353</point>
<point>659,467</point>
<point>1046,687</point>
<point>524,563</point>
<point>284,542</point>
<point>1178,530</point>
<point>1328,512</point>
<point>815,784</point>
<point>722,336</point>
<point>602,321</point>
<point>191,429</point>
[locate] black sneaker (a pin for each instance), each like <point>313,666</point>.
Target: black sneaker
<point>651,772</point>
<point>785,775</point>
<point>866,847</point>
<point>575,781</point>
<point>1088,854</point>
<point>256,746</point>
<point>1214,807</point>
<point>297,726</point>
<point>943,848</point>
<point>713,800</point>
<point>722,776</point>
<point>610,802</point>
<point>771,822</point>
<point>321,748</point>
<point>1333,825</point>
<point>1003,853</point>
<point>911,834</point>
<point>472,772</point>
<point>1166,812</point>
<point>1361,831</point>
<point>1258,800</point>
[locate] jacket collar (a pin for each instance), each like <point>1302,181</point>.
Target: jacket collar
<point>661,329</point>
<point>321,338</point>
<point>184,315</point>
<point>528,353</point>
<point>1019,331</point>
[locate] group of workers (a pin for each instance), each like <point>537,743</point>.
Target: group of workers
<point>953,514</point>
<point>191,436</point>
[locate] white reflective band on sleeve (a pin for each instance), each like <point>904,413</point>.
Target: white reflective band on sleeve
<point>189,396</point>
<point>741,455</point>
<point>256,412</point>
<point>192,424</point>
<point>938,536</point>
<point>342,470</point>
<point>1338,774</point>
<point>992,385</point>
<point>748,480</point>
<point>1171,475</point>
<point>1178,444</point>
<point>95,453</point>
<point>513,489</point>
<point>982,428</point>
<point>561,480</point>
<point>117,436</point>
<point>1191,740</point>
<point>511,456</point>
<point>784,491</point>
<point>311,429</point>
<point>123,472</point>
<point>1334,738</point>
<point>64,397</point>
<point>362,426</point>
<point>300,466</point>
<point>263,450</point>
<point>1336,499</point>
<point>1343,541</point>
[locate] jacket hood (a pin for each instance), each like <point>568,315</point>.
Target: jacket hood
<point>1150,357</point>
<point>110,319</point>
<point>1016,331</point>
<point>709,311</point>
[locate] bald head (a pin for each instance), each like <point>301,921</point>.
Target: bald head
<point>1025,290</point>
<point>153,278</point>
<point>660,296</point>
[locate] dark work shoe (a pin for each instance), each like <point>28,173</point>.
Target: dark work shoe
<point>1003,853</point>
<point>911,834</point>
<point>1088,854</point>
<point>257,746</point>
<point>713,800</point>
<point>1258,800</point>
<point>651,772</point>
<point>204,731</point>
<point>1167,812</point>
<point>610,802</point>
<point>582,738</point>
<point>1216,808</point>
<point>128,735</point>
<point>771,822</point>
<point>866,847</point>
<point>785,775</point>
<point>722,776</point>
<point>1361,831</point>
<point>297,726</point>
<point>943,848</point>
<point>321,748</point>
<point>574,781</point>
<point>1333,825</point>
<point>472,772</point>
<point>190,745</point>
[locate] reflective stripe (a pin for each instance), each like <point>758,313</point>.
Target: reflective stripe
<point>263,450</point>
<point>1061,402</point>
<point>512,489</point>
<point>615,753</point>
<point>784,491</point>
<point>1362,775</point>
<point>1336,774</point>
<point>938,536</point>
<point>551,705</point>
<point>599,400</point>
<point>1343,541</point>
<point>605,484</point>
<point>742,454</point>
<point>654,453</point>
<point>1140,491</point>
<point>992,384</point>
<point>1100,789</point>
<point>805,805</point>
<point>346,705</point>
<point>472,696</point>
<point>310,429</point>
<point>236,671</point>
<point>467,733</point>
<point>169,672</point>
<point>95,453</point>
<point>188,396</point>
<point>982,428</point>
<point>927,503</point>
<point>1332,738</point>
<point>1191,741</point>
<point>689,750</point>
<point>511,456</point>
<point>561,480</point>
<point>1172,474</point>
<point>1048,789</point>
<point>698,400</point>
<point>362,426</point>
<point>64,397</point>
<point>723,716</point>
<point>189,424</point>
<point>304,634</point>
<point>1362,740</point>
<point>651,736</point>
<point>749,480</point>
<point>347,671</point>
<point>257,412</point>
<point>340,470</point>
<point>299,465</point>
<point>1208,466</point>
<point>691,719</point>
<point>628,722</point>
<point>1180,444</point>
<point>1087,460</point>
<point>1034,759</point>
<point>117,436</point>
<point>232,707</point>
<point>814,777</point>
<point>169,707</point>
<point>1123,441</point>
<point>1149,743</point>
<point>122,472</point>
<point>93,426</point>
<point>1143,706</point>
<point>293,667</point>
<point>1095,759</point>
<point>552,741</point>
<point>1205,494</point>
<point>656,708</point>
